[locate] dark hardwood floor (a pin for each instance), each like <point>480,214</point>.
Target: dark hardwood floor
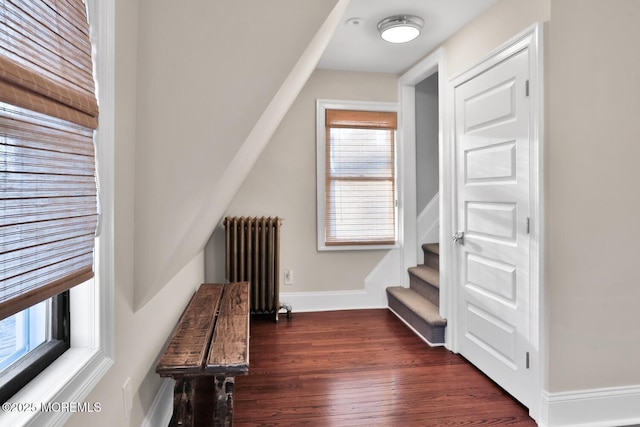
<point>363,367</point>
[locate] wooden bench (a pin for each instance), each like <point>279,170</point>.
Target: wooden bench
<point>210,340</point>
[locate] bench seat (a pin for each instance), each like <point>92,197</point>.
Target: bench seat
<point>211,340</point>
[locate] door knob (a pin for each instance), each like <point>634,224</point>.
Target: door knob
<point>458,237</point>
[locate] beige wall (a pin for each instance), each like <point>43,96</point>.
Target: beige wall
<point>593,203</point>
<point>141,334</point>
<point>283,183</point>
<point>496,26</point>
<point>140,337</point>
<point>590,287</point>
<point>183,106</point>
<point>591,283</point>
<point>201,87</point>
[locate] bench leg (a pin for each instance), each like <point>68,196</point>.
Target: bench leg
<point>223,414</point>
<point>183,400</point>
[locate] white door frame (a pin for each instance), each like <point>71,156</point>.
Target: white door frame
<point>531,38</point>
<point>408,226</point>
<point>434,63</point>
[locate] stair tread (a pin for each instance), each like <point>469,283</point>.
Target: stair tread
<point>432,247</point>
<point>427,274</point>
<point>418,304</point>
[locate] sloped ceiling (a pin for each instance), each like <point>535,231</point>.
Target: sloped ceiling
<point>211,75</point>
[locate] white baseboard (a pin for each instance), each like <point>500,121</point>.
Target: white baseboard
<point>608,407</point>
<point>161,409</point>
<point>329,301</point>
<point>414,330</point>
<point>386,273</point>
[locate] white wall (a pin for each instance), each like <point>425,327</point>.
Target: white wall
<point>427,132</point>
<point>283,183</point>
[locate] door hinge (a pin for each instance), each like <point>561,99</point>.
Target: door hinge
<point>526,88</point>
<point>527,360</point>
<point>528,225</point>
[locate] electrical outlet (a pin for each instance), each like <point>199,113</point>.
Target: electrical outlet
<point>288,277</point>
<point>127,398</point>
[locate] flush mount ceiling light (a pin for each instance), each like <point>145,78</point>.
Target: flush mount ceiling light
<point>400,28</point>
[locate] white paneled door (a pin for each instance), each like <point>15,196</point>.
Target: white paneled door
<point>492,156</point>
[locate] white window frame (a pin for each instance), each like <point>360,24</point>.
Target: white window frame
<point>73,375</point>
<point>328,104</point>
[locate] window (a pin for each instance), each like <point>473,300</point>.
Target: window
<point>30,340</point>
<point>356,175</point>
<point>73,375</point>
<point>48,194</point>
<point>22,332</point>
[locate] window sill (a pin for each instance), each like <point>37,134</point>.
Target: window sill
<point>69,379</point>
<point>323,248</point>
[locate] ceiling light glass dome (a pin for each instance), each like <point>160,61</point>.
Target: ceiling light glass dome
<point>400,28</point>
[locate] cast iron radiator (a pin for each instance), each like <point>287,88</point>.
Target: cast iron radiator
<point>253,255</point>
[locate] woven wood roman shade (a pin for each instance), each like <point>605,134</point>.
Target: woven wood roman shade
<point>360,178</point>
<point>48,112</point>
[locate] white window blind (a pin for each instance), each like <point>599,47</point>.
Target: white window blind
<point>360,178</point>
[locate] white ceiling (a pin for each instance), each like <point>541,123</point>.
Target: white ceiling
<point>358,46</point>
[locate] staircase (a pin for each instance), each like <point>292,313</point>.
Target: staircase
<point>419,304</point>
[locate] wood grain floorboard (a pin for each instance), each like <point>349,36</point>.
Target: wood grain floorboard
<point>358,368</point>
